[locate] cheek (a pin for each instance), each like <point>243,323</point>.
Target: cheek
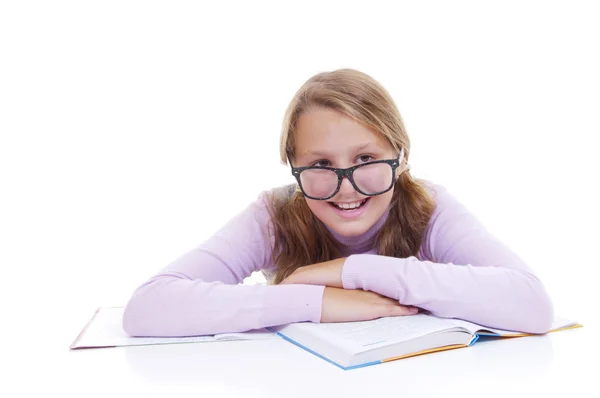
<point>382,201</point>
<point>319,207</point>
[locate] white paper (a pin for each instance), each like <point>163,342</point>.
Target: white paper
<point>105,330</point>
<point>382,331</point>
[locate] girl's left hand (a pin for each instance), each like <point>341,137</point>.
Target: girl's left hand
<point>328,273</point>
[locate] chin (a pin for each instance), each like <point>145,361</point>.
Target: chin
<point>351,230</point>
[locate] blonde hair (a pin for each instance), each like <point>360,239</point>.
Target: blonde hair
<point>300,238</point>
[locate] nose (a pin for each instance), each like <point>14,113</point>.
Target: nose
<point>346,187</point>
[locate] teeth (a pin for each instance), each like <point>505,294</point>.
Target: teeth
<point>349,205</point>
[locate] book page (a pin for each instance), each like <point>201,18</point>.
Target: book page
<point>558,323</point>
<point>358,336</point>
<point>470,326</point>
<point>105,330</point>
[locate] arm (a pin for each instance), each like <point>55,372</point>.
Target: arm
<point>471,275</point>
<point>197,294</point>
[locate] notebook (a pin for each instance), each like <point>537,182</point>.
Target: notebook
<point>105,330</point>
<point>350,345</point>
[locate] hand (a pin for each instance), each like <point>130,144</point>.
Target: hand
<point>328,273</point>
<point>341,305</point>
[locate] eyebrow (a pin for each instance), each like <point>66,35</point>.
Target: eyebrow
<point>356,148</point>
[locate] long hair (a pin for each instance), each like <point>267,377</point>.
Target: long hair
<point>300,238</point>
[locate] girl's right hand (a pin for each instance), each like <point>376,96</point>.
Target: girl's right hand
<point>340,305</point>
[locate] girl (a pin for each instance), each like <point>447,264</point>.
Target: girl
<point>356,238</point>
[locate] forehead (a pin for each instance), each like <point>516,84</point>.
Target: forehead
<point>327,130</point>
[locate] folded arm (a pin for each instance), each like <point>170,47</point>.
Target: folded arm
<point>199,294</point>
<point>467,274</point>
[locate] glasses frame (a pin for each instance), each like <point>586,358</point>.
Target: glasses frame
<point>349,174</point>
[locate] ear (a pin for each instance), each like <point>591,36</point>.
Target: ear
<point>403,168</point>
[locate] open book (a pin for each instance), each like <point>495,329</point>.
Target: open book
<point>355,344</point>
<point>105,330</point>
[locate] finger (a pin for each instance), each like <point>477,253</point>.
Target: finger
<point>400,310</point>
<point>386,300</point>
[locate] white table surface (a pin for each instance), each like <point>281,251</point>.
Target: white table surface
<point>563,362</point>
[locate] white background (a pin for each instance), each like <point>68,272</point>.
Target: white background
<point>130,131</point>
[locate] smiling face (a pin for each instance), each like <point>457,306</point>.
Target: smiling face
<point>325,137</point>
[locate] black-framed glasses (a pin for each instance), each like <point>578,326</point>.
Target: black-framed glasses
<point>370,179</point>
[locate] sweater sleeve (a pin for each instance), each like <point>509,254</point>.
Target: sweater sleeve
<point>199,293</point>
<point>468,274</point>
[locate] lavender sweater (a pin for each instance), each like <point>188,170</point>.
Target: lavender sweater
<point>461,271</point>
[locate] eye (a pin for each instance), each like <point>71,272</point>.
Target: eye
<point>365,158</point>
<point>321,163</point>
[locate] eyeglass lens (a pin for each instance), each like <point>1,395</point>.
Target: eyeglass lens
<point>370,179</point>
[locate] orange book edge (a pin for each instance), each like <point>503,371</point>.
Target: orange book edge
<point>575,326</point>
<point>455,346</point>
<point>414,354</point>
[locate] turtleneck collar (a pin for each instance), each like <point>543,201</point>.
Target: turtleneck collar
<point>363,242</point>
